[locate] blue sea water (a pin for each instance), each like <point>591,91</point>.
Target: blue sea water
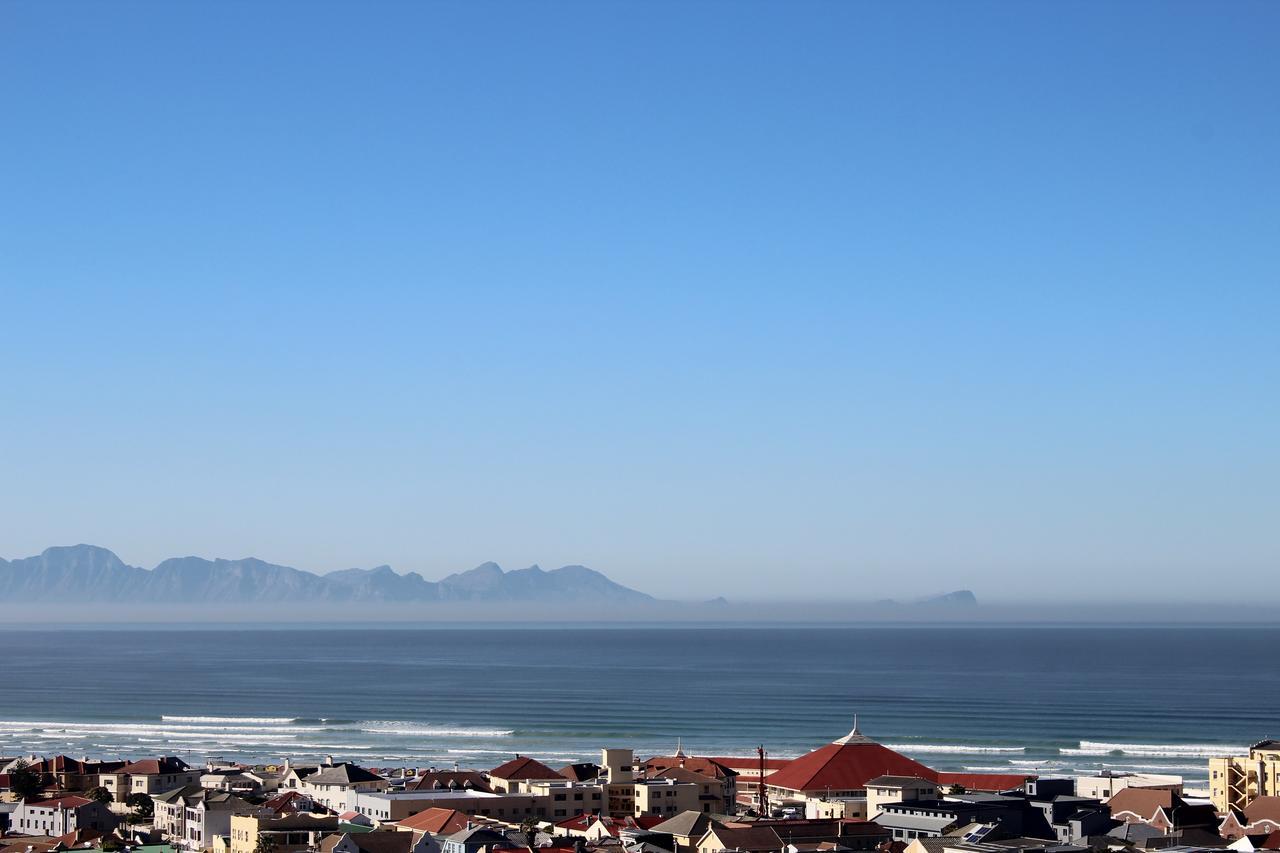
<point>1048,700</point>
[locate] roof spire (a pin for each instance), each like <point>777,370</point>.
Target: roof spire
<point>679,749</point>
<point>854,736</point>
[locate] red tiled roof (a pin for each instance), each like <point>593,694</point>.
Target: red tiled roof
<point>67,802</point>
<point>1271,842</point>
<point>436,821</point>
<point>845,767</point>
<point>156,766</point>
<point>523,767</point>
<point>749,762</point>
<point>990,782</point>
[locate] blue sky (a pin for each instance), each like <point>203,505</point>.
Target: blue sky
<point>782,300</point>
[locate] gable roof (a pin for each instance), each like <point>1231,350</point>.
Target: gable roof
<point>752,839</point>
<point>156,766</point>
<point>371,842</point>
<point>345,773</point>
<point>1262,808</point>
<point>1142,803</point>
<point>524,767</point>
<point>434,780</point>
<point>436,821</point>
<point>989,782</point>
<point>583,771</point>
<point>687,823</point>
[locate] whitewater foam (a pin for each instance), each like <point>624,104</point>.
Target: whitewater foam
<point>954,749</point>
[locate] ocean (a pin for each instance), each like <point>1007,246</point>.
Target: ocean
<point>1048,700</point>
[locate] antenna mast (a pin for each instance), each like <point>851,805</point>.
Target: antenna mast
<point>761,792</point>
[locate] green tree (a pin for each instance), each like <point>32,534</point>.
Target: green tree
<point>100,795</point>
<point>957,789</point>
<point>266,844</point>
<point>143,807</point>
<point>24,782</point>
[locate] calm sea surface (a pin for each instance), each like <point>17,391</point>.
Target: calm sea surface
<point>1047,700</point>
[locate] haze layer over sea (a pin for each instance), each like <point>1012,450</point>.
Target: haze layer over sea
<point>1044,700</point>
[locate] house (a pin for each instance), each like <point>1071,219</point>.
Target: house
<point>191,816</point>
<point>150,776</point>
<point>1105,785</point>
<point>747,839</point>
<point>241,781</point>
<point>685,829</point>
<point>1236,781</point>
<point>897,789</point>
<point>292,802</point>
<point>449,780</point>
<point>594,827</point>
<point>331,783</point>
<point>291,833</point>
<point>473,839</point>
<point>368,842</point>
<point>583,771</point>
<point>1160,809</point>
<point>712,795</point>
<point>658,766</point>
<point>505,776</point>
<point>61,815</point>
<point>429,827</point>
<point>1260,817</point>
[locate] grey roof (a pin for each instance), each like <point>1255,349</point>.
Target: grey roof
<point>688,823</point>
<point>477,834</point>
<point>898,781</point>
<point>345,773</point>
<point>920,823</point>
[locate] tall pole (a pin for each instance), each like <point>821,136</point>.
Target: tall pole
<point>760,788</point>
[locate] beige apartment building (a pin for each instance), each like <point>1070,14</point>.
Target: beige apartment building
<point>295,833</point>
<point>1237,780</point>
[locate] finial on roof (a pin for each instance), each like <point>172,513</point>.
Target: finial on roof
<point>854,736</point>
<point>679,749</point>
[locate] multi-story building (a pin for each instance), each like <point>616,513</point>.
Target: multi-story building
<point>1235,781</point>
<point>192,816</point>
<point>618,769</point>
<point>331,783</point>
<point>60,816</point>
<point>295,833</point>
<point>150,776</point>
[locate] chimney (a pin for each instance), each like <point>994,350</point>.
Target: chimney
<point>328,761</point>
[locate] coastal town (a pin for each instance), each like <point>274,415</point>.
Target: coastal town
<point>852,794</point>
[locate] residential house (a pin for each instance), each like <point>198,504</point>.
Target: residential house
<point>1260,817</point>
<point>292,833</point>
<point>430,826</point>
<point>743,838</point>
<point>473,839</point>
<point>191,816</point>
<point>61,815</point>
<point>507,776</point>
<point>1105,785</point>
<point>685,829</point>
<point>368,842</point>
<point>331,783</point>
<point>150,776</point>
<point>1161,809</point>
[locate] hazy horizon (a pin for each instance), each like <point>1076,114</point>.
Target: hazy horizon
<point>779,302</point>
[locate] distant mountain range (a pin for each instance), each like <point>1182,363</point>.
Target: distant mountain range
<point>87,573</point>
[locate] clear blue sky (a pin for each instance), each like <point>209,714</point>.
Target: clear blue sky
<point>762,300</point>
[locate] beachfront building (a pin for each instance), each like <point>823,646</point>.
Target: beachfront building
<point>841,770</point>
<point>1105,785</point>
<point>1235,781</point>
<point>680,765</point>
<point>1260,817</point>
<point>1162,810</point>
